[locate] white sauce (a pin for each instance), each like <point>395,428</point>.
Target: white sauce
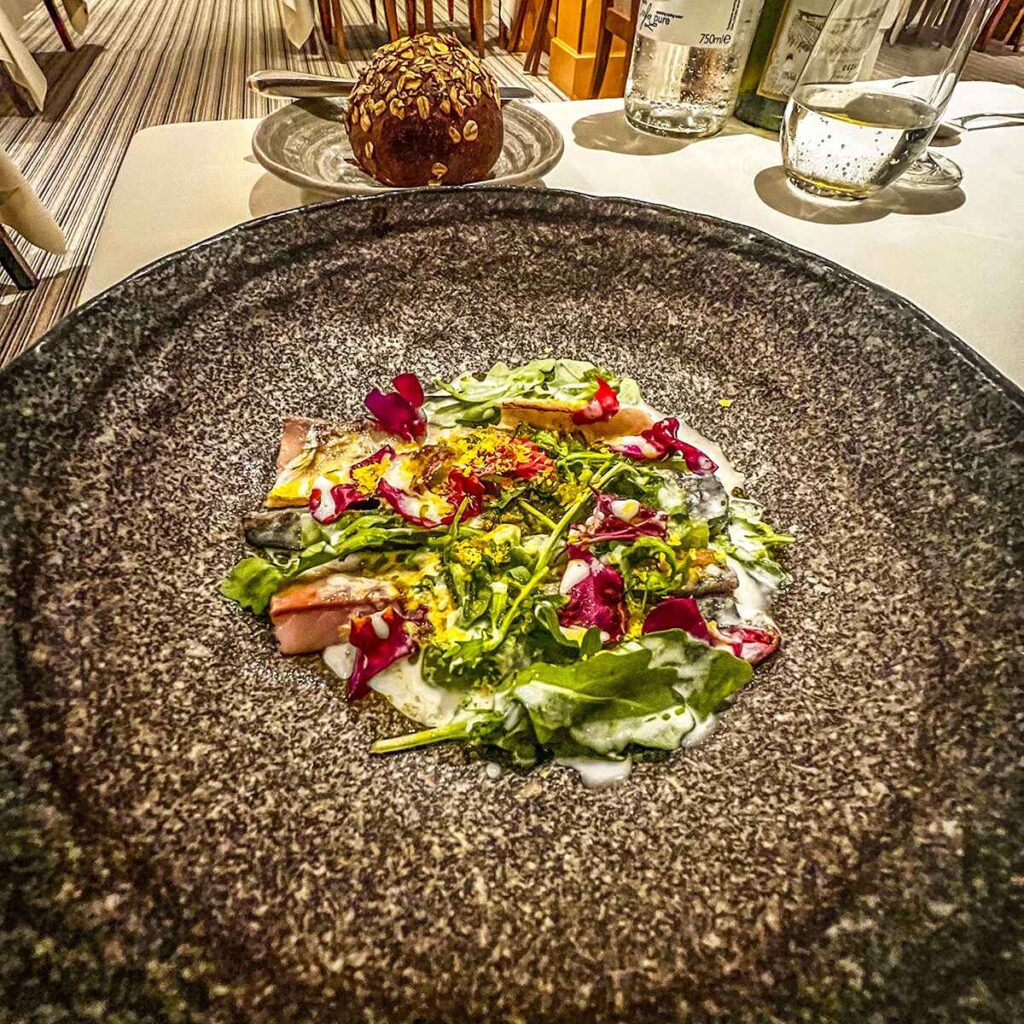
<point>340,659</point>
<point>493,770</point>
<point>380,627</point>
<point>575,573</point>
<point>700,732</point>
<point>751,597</point>
<point>597,774</point>
<point>403,685</point>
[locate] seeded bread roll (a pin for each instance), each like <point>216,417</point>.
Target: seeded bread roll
<point>425,112</point>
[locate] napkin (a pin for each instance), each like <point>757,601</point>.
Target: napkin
<point>297,16</point>
<point>78,14</point>
<point>21,209</point>
<point>20,64</point>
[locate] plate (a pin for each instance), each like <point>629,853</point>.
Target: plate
<point>196,821</point>
<point>306,143</point>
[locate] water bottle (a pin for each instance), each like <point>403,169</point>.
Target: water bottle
<point>688,56</point>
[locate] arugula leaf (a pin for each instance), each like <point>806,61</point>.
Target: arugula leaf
<point>648,692</point>
<point>754,543</point>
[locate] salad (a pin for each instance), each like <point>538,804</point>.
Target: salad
<point>531,561</point>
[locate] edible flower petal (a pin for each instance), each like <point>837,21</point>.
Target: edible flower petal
<point>617,518</point>
<point>678,613</point>
<point>461,486</point>
<point>751,643</point>
<point>603,406</point>
<point>328,501</point>
<point>380,640</point>
<point>659,441</point>
<point>409,387</point>
<point>596,594</point>
<point>400,411</point>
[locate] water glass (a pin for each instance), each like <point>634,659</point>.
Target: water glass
<point>863,110</point>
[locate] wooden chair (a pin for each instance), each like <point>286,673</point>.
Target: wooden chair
<point>334,27</point>
<point>618,20</point>
<point>1012,36</point>
<point>476,19</point>
<point>531,63</point>
<point>58,24</point>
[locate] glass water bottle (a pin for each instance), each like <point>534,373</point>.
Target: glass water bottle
<point>687,59</point>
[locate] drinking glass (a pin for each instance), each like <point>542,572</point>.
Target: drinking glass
<point>863,111</point>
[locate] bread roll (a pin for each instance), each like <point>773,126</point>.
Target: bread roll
<point>425,112</point>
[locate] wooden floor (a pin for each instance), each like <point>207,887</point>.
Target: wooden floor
<point>149,62</point>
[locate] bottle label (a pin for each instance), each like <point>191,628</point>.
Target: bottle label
<point>798,31</point>
<point>709,24</point>
<point>795,34</point>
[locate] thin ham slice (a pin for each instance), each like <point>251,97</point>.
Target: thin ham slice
<point>313,614</point>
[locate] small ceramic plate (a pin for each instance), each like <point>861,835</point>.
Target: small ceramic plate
<point>306,143</point>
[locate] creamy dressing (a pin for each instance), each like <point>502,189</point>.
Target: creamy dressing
<point>576,572</point>
<point>595,773</point>
<point>402,683</point>
<point>752,597</point>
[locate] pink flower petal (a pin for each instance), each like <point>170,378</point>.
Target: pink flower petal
<point>750,643</point>
<point>596,594</point>
<point>327,505</point>
<point>464,485</point>
<point>603,406</point>
<point>659,441</point>
<point>605,524</point>
<point>380,640</point>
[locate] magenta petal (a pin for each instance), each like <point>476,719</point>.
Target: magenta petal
<point>637,448</point>
<point>375,652</point>
<point>405,505</point>
<point>597,599</point>
<point>396,414</point>
<point>678,613</point>
<point>604,525</point>
<point>603,406</point>
<point>387,452</point>
<point>409,387</point>
<point>663,435</point>
<point>328,508</point>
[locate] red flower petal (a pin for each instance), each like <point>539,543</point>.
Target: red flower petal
<point>606,522</point>
<point>464,485</point>
<point>380,640</point>
<point>659,441</point>
<point>409,387</point>
<point>678,613</point>
<point>327,505</point>
<point>406,505</point>
<point>751,643</point>
<point>397,415</point>
<point>596,594</point>
<point>387,452</point>
<point>603,406</point>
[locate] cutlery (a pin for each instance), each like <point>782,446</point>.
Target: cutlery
<point>955,125</point>
<point>299,85</point>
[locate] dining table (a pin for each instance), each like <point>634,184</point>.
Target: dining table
<point>955,254</point>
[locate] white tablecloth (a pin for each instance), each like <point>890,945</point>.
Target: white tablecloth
<point>958,256</point>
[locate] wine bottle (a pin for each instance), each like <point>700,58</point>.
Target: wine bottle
<point>782,43</point>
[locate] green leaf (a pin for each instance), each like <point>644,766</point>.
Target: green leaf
<point>638,692</point>
<point>252,583</point>
<point>475,398</point>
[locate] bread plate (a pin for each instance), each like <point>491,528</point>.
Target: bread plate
<point>306,144</point>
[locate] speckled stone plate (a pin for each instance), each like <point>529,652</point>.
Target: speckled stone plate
<point>306,143</point>
<point>194,824</point>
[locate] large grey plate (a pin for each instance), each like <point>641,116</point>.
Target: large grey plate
<point>307,144</point>
<point>193,821</point>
